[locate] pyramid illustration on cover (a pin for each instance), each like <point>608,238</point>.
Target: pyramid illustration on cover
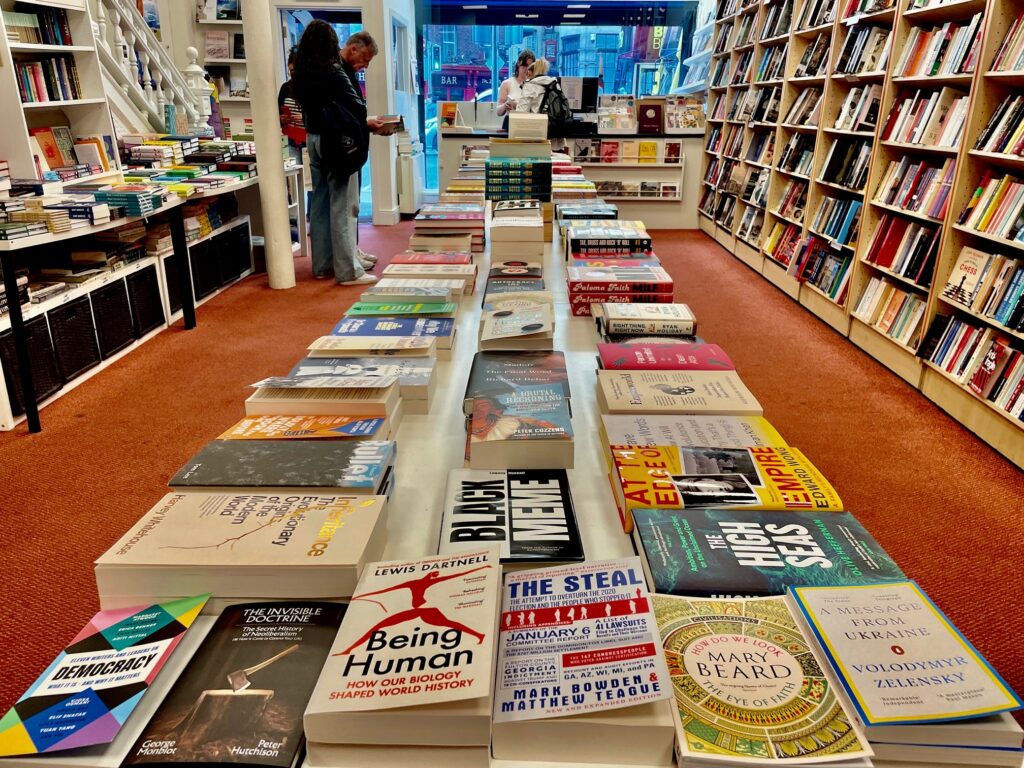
<point>87,693</point>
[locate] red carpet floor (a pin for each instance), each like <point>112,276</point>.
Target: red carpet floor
<point>944,505</point>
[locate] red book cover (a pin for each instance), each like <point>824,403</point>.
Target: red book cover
<point>580,303</point>
<point>991,368</point>
<point>619,280</point>
<point>438,257</point>
<point>679,356</point>
<point>890,244</point>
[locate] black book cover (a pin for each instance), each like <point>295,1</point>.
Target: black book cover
<point>347,466</point>
<point>515,270</point>
<point>495,373</point>
<point>240,700</point>
<point>528,513</point>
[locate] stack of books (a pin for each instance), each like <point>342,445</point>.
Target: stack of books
<point>517,229</point>
<point>437,222</point>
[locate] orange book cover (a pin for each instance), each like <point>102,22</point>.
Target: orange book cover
<point>307,427</point>
<point>49,147</point>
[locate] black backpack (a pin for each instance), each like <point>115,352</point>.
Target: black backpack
<point>555,105</point>
<point>343,146</point>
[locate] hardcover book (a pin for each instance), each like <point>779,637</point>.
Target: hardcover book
<point>517,328</point>
<point>494,373</point>
<point>719,431</point>
<point>515,269</point>
<point>241,698</point>
<point>527,427</point>
<point>88,692</point>
<point>307,428</point>
<point>706,393</point>
<point>442,328</point>
<point>879,663</point>
<point>437,257</point>
<point>677,356</point>
<point>527,513</point>
<point>413,661</point>
<point>619,279</point>
<point>682,477</point>
<point>634,318</point>
<point>415,374</point>
<point>357,467</point>
<point>402,309</point>
<point>387,345</point>
<point>729,553</point>
<point>244,544</point>
<point>748,687</point>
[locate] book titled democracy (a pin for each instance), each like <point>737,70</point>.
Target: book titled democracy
<point>85,695</point>
<point>748,687</point>
<point>244,544</point>
<point>413,661</point>
<point>527,513</point>
<point>241,698</point>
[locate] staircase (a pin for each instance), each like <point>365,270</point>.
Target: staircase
<point>140,78</point>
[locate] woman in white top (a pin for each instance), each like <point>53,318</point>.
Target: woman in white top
<point>535,86</point>
<point>512,88</point>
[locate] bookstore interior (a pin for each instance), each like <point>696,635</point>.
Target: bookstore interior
<point>582,539</point>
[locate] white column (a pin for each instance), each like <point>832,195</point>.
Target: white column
<point>260,48</point>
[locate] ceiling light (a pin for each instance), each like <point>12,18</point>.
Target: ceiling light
<point>527,15</point>
<point>575,15</point>
<point>570,23</point>
<point>474,7</point>
<point>579,5</point>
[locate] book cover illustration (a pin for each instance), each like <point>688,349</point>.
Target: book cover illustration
<point>513,323</point>
<point>417,632</point>
<point>87,693</point>
<point>525,413</point>
<point>350,465</point>
<point>394,326</point>
<point>516,301</point>
<point>748,688</point>
<point>495,373</point>
<point>302,427</point>
<point>409,371</point>
<point>515,269</point>
<point>241,698</point>
<point>910,664</point>
<point>684,477</point>
<point>577,638</point>
<point>527,513</point>
<point>724,553</point>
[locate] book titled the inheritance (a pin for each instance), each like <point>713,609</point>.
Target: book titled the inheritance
<point>727,553</point>
<point>528,513</point>
<point>241,698</point>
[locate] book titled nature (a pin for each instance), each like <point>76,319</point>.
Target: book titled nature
<point>528,513</point>
<point>725,553</point>
<point>241,698</point>
<point>577,638</point>
<point>352,467</point>
<point>899,658</point>
<point>87,693</point>
<point>244,544</point>
<point>413,661</point>
<point>748,687</point>
<point>684,477</point>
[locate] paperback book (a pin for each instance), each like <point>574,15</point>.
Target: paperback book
<point>671,356</point>
<point>413,661</point>
<point>528,427</point>
<point>495,373</point>
<point>307,428</point>
<point>697,392</point>
<point>527,513</point>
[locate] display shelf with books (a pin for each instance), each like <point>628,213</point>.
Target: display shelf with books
<point>53,87</point>
<point>981,233</point>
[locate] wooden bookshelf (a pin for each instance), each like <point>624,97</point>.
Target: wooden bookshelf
<point>87,113</point>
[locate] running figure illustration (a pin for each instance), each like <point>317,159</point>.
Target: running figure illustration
<point>425,613</point>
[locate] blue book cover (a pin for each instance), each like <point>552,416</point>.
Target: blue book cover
<point>395,326</point>
<point>721,552</point>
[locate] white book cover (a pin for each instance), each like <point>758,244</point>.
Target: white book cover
<point>417,632</point>
<point>898,656</point>
<point>326,381</point>
<point>577,638</point>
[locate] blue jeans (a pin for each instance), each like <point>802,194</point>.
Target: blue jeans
<point>333,219</point>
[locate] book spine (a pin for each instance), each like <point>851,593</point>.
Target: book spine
<point>584,286</point>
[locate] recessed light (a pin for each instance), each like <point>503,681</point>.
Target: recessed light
<point>527,15</point>
<point>570,23</point>
<point>474,7</point>
<point>579,5</point>
<point>575,15</point>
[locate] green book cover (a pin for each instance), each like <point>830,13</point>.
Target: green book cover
<point>401,308</point>
<point>721,552</point>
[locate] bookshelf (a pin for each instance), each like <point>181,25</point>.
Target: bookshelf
<point>886,306</point>
<point>52,81</point>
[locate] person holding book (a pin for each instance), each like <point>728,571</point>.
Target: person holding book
<point>535,86</point>
<point>511,89</point>
<point>334,113</point>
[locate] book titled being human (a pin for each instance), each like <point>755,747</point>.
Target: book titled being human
<point>528,513</point>
<point>241,698</point>
<point>413,661</point>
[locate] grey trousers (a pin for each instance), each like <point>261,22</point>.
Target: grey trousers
<point>333,219</point>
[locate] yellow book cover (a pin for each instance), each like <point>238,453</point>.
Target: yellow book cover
<point>648,151</point>
<point>307,428</point>
<point>679,477</point>
<point>993,204</point>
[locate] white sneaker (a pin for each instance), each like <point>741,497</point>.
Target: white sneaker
<point>364,256</point>
<point>366,279</point>
<point>367,264</point>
